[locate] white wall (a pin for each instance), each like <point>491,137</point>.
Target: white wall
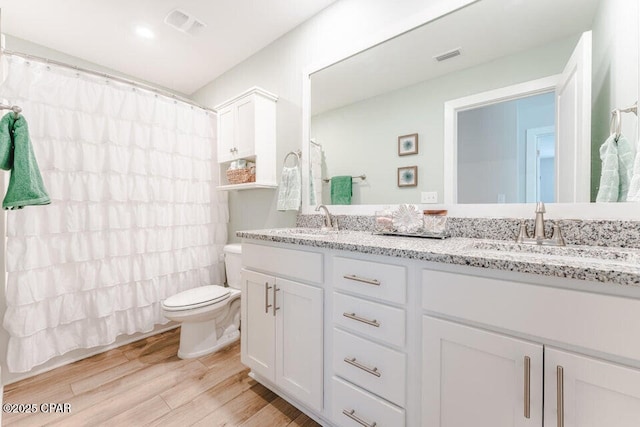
<point>278,69</point>
<point>615,74</point>
<point>16,44</point>
<point>488,154</point>
<point>362,137</point>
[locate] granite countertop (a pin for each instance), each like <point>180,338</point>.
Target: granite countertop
<point>593,263</point>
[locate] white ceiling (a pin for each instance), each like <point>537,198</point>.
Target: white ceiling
<point>486,30</point>
<point>102,32</point>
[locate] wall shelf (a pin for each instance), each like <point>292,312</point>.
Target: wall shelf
<point>246,186</point>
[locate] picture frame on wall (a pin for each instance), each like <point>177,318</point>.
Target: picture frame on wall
<point>408,176</point>
<point>408,144</point>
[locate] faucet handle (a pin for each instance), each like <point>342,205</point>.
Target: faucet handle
<point>523,233</point>
<point>557,237</point>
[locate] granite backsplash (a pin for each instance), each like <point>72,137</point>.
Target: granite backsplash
<point>612,233</point>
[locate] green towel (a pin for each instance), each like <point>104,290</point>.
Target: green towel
<point>617,169</point>
<point>16,153</point>
<point>341,190</point>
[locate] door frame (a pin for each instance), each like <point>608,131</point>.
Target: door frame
<point>453,107</point>
<point>532,161</point>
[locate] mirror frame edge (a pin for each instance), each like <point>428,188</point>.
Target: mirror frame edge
<point>593,211</point>
<point>478,100</point>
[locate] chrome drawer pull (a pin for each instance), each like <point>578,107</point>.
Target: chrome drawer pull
<point>275,308</point>
<point>353,316</point>
<point>352,361</point>
<point>266,297</point>
<point>352,414</point>
<point>560,395</point>
<point>527,387</point>
<point>362,279</point>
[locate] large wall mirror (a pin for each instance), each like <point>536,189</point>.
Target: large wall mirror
<point>510,101</point>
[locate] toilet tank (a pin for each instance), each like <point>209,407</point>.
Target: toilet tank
<point>233,264</point>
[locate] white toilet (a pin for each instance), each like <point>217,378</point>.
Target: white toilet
<point>210,315</point>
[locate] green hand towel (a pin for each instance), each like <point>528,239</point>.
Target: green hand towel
<point>16,153</point>
<point>341,190</point>
<point>609,178</point>
<point>617,169</point>
<point>626,156</point>
<point>6,141</point>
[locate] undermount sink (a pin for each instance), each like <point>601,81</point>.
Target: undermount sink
<point>585,252</point>
<point>306,232</point>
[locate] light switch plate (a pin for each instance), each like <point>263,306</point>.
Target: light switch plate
<point>429,197</point>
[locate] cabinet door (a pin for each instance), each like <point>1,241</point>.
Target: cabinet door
<point>471,377</point>
<point>590,392</point>
<point>226,135</point>
<point>258,323</point>
<point>299,341</point>
<point>245,127</point>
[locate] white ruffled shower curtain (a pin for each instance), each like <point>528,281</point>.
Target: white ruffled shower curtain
<point>134,217</point>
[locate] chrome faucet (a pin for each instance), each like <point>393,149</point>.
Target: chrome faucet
<point>328,223</point>
<point>538,225</point>
<point>539,237</point>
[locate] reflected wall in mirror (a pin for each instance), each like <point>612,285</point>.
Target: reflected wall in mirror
<point>506,151</point>
<point>360,106</point>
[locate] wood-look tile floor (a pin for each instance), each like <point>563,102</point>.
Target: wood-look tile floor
<point>145,384</point>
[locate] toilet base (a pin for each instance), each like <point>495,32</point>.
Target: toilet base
<point>200,338</point>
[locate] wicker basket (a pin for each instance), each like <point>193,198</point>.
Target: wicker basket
<point>241,176</point>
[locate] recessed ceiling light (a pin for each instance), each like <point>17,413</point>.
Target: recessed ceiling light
<point>144,32</point>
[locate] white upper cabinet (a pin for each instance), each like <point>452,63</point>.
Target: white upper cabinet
<point>247,130</point>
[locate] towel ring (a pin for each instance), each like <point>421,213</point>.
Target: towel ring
<point>296,156</point>
<point>615,124</point>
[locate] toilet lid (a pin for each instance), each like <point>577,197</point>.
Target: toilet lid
<point>196,297</point>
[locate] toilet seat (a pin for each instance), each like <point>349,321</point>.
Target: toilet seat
<point>201,296</point>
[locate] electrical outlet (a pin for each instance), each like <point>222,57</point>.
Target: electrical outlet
<point>502,198</point>
<point>429,197</point>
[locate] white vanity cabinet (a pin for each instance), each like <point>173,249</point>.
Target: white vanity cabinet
<point>358,339</point>
<point>471,376</point>
<point>247,130</point>
<point>282,324</point>
<point>589,392</point>
<point>369,336</point>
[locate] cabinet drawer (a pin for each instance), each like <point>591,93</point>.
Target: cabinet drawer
<point>362,406</point>
<point>374,320</point>
<point>599,322</point>
<point>375,368</point>
<point>301,265</point>
<point>383,281</point>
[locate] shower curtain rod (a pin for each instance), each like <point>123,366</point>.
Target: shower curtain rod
<point>110,77</point>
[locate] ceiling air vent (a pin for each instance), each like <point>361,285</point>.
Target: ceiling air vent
<point>182,21</point>
<point>447,55</point>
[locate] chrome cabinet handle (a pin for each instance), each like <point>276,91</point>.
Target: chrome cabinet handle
<point>560,396</point>
<point>352,414</point>
<point>275,289</point>
<point>527,387</point>
<point>353,316</point>
<point>362,279</point>
<point>266,297</point>
<point>373,371</point>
